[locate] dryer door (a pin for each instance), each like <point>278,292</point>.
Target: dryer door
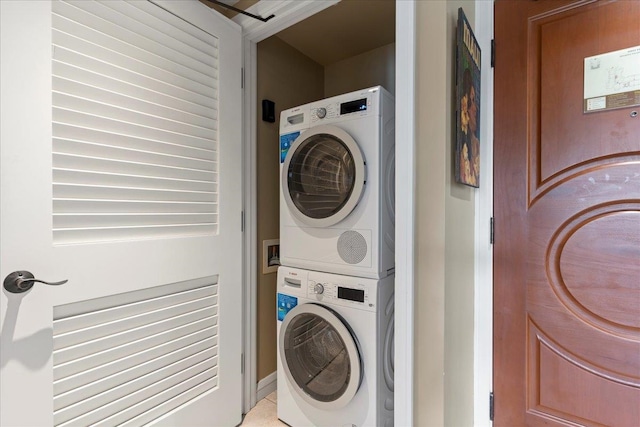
<point>323,176</point>
<point>320,356</point>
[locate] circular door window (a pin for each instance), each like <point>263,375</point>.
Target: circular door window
<point>320,356</point>
<point>323,176</point>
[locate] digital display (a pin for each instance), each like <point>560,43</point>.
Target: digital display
<point>353,106</point>
<point>351,294</point>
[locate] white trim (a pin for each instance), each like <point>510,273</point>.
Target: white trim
<point>267,385</point>
<point>287,13</point>
<point>405,211</point>
<point>250,225</point>
<point>483,313</point>
<point>405,175</point>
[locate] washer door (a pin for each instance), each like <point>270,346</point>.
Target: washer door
<point>323,176</point>
<point>320,356</point>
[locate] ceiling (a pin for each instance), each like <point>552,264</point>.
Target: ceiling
<point>344,30</point>
<point>341,31</point>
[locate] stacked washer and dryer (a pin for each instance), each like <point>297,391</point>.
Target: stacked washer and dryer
<point>336,281</point>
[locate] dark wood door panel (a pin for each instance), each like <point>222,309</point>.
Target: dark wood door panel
<point>564,384</point>
<point>564,140</point>
<point>567,212</point>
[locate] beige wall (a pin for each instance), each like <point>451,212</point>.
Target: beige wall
<point>445,231</point>
<point>288,78</point>
<point>372,68</point>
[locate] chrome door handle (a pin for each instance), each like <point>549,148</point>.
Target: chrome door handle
<point>21,281</point>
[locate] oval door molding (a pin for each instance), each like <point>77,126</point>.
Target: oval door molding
<point>612,265</point>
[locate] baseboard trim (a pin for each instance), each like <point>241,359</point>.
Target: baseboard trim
<point>266,386</point>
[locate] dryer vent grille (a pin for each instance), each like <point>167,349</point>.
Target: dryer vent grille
<point>352,247</point>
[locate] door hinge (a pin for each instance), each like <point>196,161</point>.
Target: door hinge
<point>241,78</point>
<point>242,363</point>
<point>491,401</point>
<point>492,231</point>
<point>493,53</point>
<point>242,221</point>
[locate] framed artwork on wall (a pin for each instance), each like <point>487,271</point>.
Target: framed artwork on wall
<point>467,142</point>
<point>270,256</point>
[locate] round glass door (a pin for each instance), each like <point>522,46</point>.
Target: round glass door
<point>320,356</point>
<point>323,176</point>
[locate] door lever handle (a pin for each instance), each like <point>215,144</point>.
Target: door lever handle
<point>21,281</point>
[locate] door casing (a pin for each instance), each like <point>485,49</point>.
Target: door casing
<point>406,34</point>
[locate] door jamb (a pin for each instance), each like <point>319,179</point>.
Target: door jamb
<point>288,12</point>
<point>483,292</point>
<point>406,37</point>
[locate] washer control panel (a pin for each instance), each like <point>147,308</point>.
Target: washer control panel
<point>328,111</point>
<point>342,294</point>
<point>327,288</point>
<point>337,109</point>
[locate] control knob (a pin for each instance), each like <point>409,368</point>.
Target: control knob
<point>318,288</point>
<point>321,113</point>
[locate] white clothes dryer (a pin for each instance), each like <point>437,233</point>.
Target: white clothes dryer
<point>337,184</point>
<point>335,349</point>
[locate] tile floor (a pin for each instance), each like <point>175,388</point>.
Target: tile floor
<point>264,414</point>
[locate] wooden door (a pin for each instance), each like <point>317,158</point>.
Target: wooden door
<point>567,212</point>
<point>121,162</point>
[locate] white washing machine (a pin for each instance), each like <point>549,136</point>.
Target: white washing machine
<point>337,184</point>
<point>335,349</point>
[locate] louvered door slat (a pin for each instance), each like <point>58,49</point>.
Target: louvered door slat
<point>135,130</point>
<point>74,235</point>
<point>95,220</point>
<point>146,398</point>
<point>112,312</point>
<point>135,119</point>
<point>82,134</point>
<point>116,359</point>
<point>77,89</point>
<point>111,387</point>
<point>131,15</point>
<point>109,83</point>
<point>124,114</point>
<point>183,78</point>
<point>71,206</point>
<point>125,167</point>
<point>71,62</point>
<point>127,323</point>
<point>103,343</point>
<point>96,178</point>
<point>94,150</point>
<point>80,372</point>
<point>154,52</point>
<point>117,395</point>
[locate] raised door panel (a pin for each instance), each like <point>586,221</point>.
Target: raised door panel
<point>567,207</point>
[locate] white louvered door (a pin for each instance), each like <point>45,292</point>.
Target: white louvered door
<point>120,170</point>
